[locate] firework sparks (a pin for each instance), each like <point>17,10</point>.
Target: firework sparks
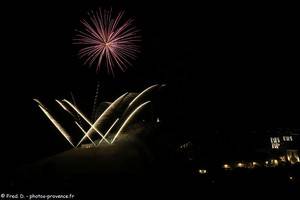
<point>108,41</point>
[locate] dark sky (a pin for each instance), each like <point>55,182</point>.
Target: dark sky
<point>226,65</point>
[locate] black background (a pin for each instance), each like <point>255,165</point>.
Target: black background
<point>229,66</point>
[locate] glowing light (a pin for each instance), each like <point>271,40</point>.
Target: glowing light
<point>129,118</point>
<point>84,134</point>
<point>293,156</point>
<point>92,125</point>
<point>86,146</point>
<point>108,109</point>
<point>108,131</point>
<point>282,158</point>
<point>226,166</point>
<point>267,162</point>
<point>106,40</point>
<point>57,125</point>
<point>241,165</point>
<point>275,162</point>
<point>202,171</point>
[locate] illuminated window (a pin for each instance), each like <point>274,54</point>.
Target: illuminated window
<point>275,140</point>
<point>287,138</point>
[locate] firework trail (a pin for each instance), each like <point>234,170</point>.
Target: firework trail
<point>107,40</point>
<point>95,101</point>
<point>77,115</point>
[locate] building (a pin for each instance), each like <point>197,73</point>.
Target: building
<point>283,145</point>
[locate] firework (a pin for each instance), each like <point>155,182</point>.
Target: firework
<point>107,40</point>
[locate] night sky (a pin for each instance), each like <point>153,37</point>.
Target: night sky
<point>227,66</point>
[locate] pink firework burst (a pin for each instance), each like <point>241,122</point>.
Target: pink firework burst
<point>109,41</point>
